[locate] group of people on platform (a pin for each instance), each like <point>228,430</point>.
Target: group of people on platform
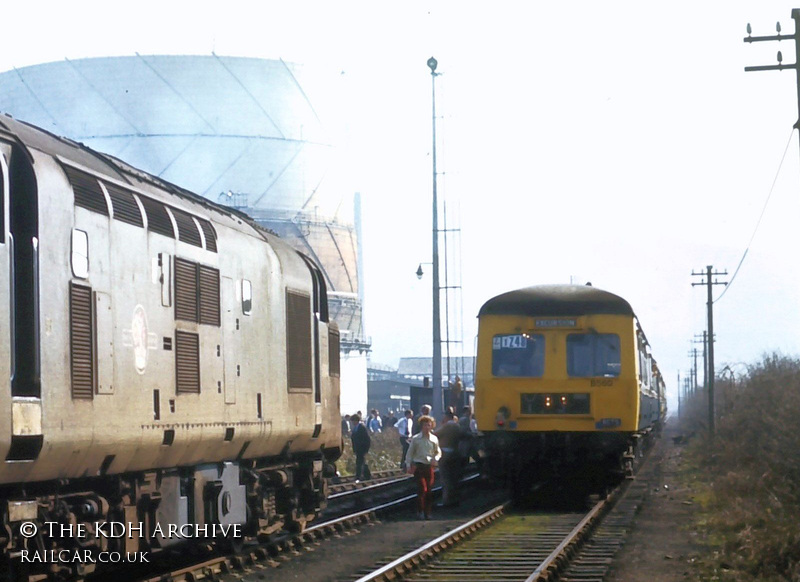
<point>423,450</point>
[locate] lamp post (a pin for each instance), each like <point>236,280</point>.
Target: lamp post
<point>436,363</point>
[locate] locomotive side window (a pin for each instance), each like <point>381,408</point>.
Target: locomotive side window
<point>518,356</point>
<point>247,297</point>
<point>593,354</point>
<point>80,254</point>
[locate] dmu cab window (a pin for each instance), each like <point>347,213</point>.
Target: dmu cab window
<point>519,355</point>
<point>593,354</point>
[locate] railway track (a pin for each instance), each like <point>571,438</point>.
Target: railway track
<point>498,545</point>
<point>524,546</point>
<point>255,558</point>
<point>343,485</point>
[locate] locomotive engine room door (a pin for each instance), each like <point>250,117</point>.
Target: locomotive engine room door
<point>230,338</point>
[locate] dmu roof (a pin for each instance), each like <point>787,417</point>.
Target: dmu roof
<point>543,300</point>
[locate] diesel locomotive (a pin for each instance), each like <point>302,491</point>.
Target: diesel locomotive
<point>566,386</point>
<point>166,362</point>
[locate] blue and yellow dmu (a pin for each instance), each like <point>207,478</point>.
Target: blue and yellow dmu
<point>564,378</point>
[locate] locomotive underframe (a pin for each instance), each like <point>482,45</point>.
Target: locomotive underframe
<point>141,512</point>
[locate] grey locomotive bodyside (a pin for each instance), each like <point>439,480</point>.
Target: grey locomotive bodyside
<point>160,351</point>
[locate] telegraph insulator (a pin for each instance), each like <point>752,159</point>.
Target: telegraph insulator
<point>749,30</point>
<point>778,27</point>
<point>780,57</point>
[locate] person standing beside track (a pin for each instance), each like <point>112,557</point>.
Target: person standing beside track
<point>423,456</point>
<point>450,438</point>
<point>404,428</point>
<point>361,443</point>
<point>424,410</point>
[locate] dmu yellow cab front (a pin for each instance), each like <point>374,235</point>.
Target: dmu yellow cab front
<point>558,358</point>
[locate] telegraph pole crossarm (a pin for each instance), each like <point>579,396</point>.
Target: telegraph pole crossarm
<point>780,66</point>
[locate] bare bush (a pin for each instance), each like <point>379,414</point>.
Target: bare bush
<point>753,468</point>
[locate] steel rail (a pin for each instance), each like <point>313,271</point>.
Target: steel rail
<point>553,563</point>
<point>413,559</point>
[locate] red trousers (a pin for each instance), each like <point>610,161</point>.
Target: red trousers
<point>423,475</point>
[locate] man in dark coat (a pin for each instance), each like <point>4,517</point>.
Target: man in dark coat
<point>450,467</point>
<point>361,443</point>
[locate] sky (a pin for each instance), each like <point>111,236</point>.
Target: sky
<point>620,143</point>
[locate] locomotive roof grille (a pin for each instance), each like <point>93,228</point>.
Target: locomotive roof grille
<point>87,190</point>
<point>28,136</point>
<point>544,300</point>
<point>187,229</point>
<point>125,207</point>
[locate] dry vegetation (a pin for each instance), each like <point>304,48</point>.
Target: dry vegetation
<point>749,476</point>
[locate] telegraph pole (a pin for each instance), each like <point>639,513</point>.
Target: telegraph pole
<point>679,395</point>
<point>709,284</point>
<point>780,66</point>
<point>693,369</point>
<point>704,339</point>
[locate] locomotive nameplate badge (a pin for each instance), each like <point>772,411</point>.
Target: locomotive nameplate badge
<point>555,322</point>
<point>140,339</point>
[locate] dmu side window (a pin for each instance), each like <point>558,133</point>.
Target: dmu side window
<point>593,355</point>
<point>518,356</point>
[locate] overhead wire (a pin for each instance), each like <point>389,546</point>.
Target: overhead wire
<point>761,216</point>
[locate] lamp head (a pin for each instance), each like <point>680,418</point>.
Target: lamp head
<point>432,64</point>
